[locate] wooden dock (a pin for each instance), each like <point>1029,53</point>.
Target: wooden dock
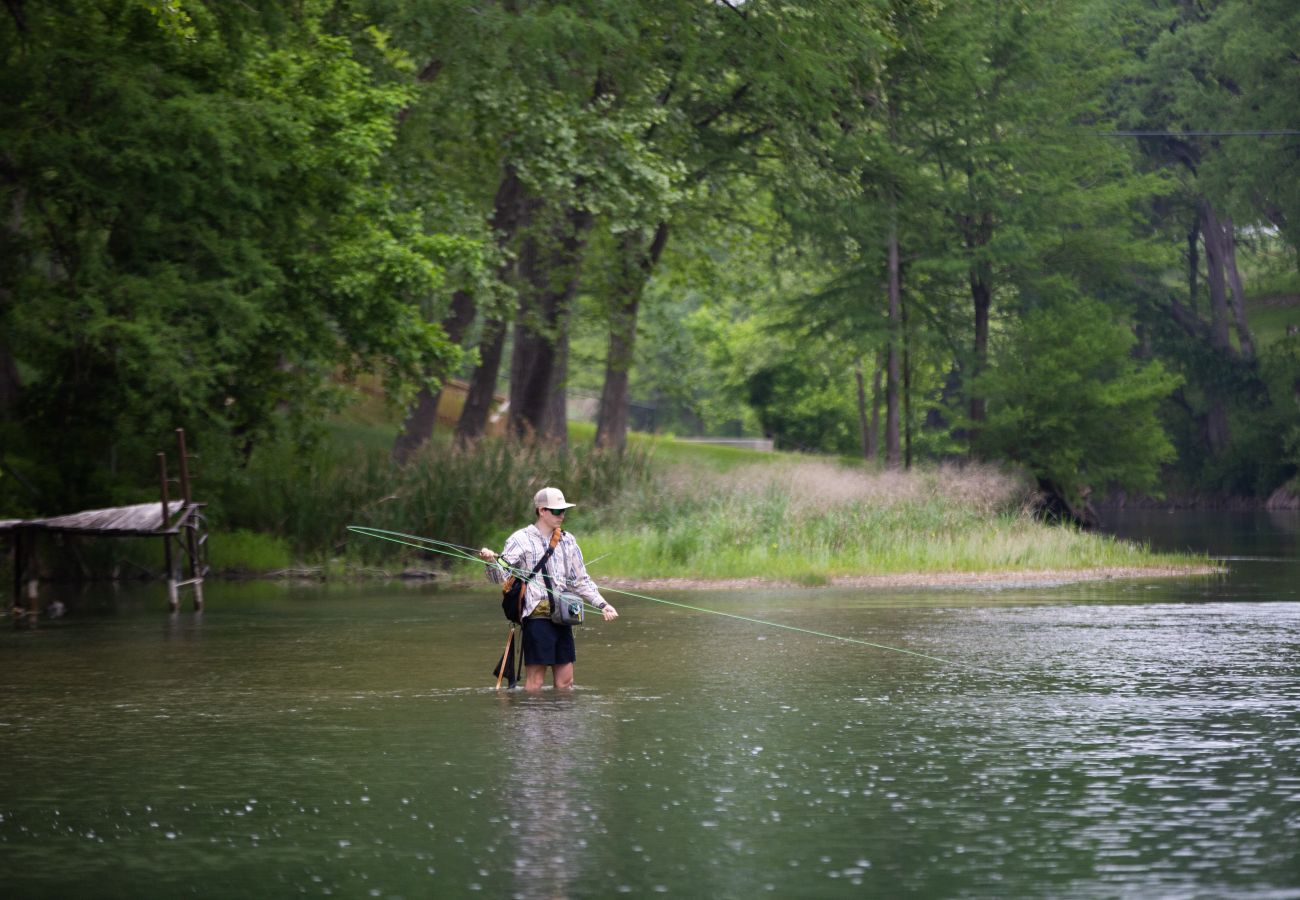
<point>140,520</point>
<point>178,523</point>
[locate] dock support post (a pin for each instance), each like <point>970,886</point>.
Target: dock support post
<point>25,608</point>
<point>33,603</point>
<point>15,610</point>
<point>18,564</point>
<point>191,541</point>
<point>173,596</point>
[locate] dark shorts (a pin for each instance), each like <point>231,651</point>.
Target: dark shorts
<point>548,644</point>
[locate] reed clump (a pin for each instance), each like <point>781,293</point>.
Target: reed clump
<point>306,498</point>
<point>806,521</point>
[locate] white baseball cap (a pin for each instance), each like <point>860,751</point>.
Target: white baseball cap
<point>551,498</point>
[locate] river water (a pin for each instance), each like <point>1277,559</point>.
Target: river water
<point>1114,739</point>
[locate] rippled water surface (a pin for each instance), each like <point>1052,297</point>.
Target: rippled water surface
<point>1118,739</point>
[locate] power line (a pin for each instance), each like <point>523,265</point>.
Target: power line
<point>1279,132</point>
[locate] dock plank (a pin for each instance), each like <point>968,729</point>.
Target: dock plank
<point>140,518</point>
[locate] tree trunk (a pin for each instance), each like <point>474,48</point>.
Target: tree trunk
<point>483,384</point>
<point>1218,434</point>
<point>509,212</point>
<point>15,8</point>
<point>982,297</point>
<point>1238,296</point>
<point>432,69</point>
<point>10,384</point>
<point>423,415</point>
<point>864,427</point>
<point>892,454</point>
<point>611,416</point>
<point>873,444</point>
<point>907,385</point>
<point>1215,251</point>
<point>637,266</point>
<point>1221,265</point>
<point>532,360</point>
<point>549,263</point>
<point>1056,506</point>
<point>557,416</point>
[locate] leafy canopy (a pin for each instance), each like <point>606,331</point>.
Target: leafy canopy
<point>1076,408</point>
<point>200,229</point>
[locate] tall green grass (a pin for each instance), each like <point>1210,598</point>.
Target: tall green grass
<point>307,498</point>
<point>243,551</point>
<point>662,509</point>
<point>811,521</point>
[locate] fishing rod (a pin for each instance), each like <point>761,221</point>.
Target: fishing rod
<point>409,540</point>
<point>398,537</point>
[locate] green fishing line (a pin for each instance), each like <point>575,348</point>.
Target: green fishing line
<point>398,537</point>
<point>834,637</point>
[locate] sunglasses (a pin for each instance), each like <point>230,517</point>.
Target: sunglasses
<point>557,512</point>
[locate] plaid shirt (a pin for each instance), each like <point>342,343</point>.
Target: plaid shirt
<point>568,573</point>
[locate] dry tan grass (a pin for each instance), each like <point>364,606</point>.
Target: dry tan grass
<point>814,486</point>
<point>982,487</point>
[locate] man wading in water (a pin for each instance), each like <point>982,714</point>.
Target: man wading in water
<point>546,643</point>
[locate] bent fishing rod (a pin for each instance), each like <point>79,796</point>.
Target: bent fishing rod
<point>458,551</point>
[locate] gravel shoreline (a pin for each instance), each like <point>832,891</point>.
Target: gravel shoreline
<point>1029,578</point>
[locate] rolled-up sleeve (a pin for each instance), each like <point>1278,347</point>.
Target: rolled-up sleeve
<point>579,581</point>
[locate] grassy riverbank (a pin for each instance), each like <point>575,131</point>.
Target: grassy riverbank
<point>666,510</point>
<point>814,522</point>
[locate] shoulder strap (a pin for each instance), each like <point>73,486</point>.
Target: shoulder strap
<point>556,535</point>
<point>555,540</point>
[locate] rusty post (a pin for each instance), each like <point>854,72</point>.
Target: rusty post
<point>185,466</point>
<point>162,488</point>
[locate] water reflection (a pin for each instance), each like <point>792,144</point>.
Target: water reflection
<point>1137,739</point>
<point>551,742</point>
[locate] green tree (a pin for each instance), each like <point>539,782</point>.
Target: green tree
<point>1075,407</point>
<point>1202,77</point>
<point>196,231</point>
<point>962,189</point>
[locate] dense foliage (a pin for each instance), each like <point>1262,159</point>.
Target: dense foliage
<point>197,234</point>
<point>1058,233</point>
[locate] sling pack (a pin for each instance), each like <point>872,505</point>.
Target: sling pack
<point>512,592</point>
<point>566,609</point>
